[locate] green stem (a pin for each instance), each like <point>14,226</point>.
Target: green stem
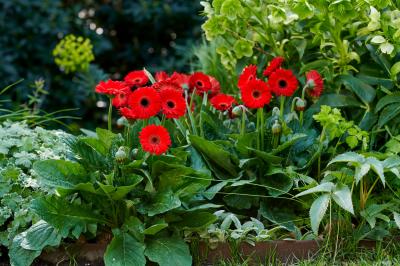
<point>258,130</point>
<point>205,96</point>
<point>243,127</point>
<point>260,113</point>
<point>110,115</point>
<point>282,108</point>
<point>321,138</point>
<point>303,94</point>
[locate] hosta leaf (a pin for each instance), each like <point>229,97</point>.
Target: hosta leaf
<point>342,196</point>
<point>40,235</point>
<point>65,216</point>
<point>324,187</point>
<point>124,250</point>
<point>318,210</point>
<point>60,174</point>
<point>168,251</point>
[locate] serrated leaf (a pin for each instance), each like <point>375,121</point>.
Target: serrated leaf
<point>361,171</point>
<point>60,174</point>
<point>342,196</point>
<point>124,250</point>
<point>377,167</point>
<point>168,251</point>
<point>324,187</point>
<point>318,210</point>
<point>348,157</point>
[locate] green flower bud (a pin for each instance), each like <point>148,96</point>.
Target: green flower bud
<point>120,155</point>
<point>237,110</point>
<point>276,128</point>
<point>300,104</point>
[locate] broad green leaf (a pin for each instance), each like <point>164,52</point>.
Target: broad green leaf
<point>160,203</point>
<point>20,256</point>
<point>324,187</point>
<point>183,181</point>
<point>389,112</point>
<point>213,190</point>
<point>60,174</point>
<point>155,228</point>
<point>95,144</point>
<point>124,250</point>
<point>65,216</point>
<point>196,220</point>
<point>348,157</point>
<point>119,192</point>
<point>318,210</point>
<point>318,65</point>
<point>106,137</point>
<point>386,100</point>
<point>363,90</point>
<point>377,167</point>
<point>278,183</point>
<point>167,251</point>
<point>265,157</point>
<point>279,215</point>
<point>338,100</point>
<point>396,217</point>
<point>293,140</point>
<point>40,235</point>
<point>218,159</point>
<point>392,161</point>
<point>342,196</point>
<point>394,70</point>
<point>134,226</point>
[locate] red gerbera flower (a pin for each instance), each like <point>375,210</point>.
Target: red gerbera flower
<point>256,94</point>
<point>248,73</point>
<point>315,83</point>
<point>275,64</point>
<point>173,104</point>
<point>215,87</point>
<point>180,78</point>
<point>127,113</point>
<point>166,85</point>
<point>144,102</point>
<point>155,139</point>
<point>136,78</point>
<point>222,102</point>
<point>201,82</point>
<point>111,87</point>
<point>161,75</point>
<point>120,100</point>
<point>283,82</point>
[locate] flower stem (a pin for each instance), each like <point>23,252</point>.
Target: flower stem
<point>243,127</point>
<point>303,93</point>
<point>110,115</point>
<point>282,108</point>
<point>260,112</point>
<point>258,129</point>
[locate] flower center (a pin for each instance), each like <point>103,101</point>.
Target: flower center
<point>282,83</point>
<point>250,78</point>
<point>170,104</point>
<point>155,140</point>
<point>256,94</point>
<point>199,83</point>
<point>223,105</point>
<point>138,80</point>
<point>144,102</point>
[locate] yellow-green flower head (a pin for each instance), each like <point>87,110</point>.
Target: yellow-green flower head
<point>73,53</point>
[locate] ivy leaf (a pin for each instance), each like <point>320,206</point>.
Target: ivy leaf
<point>124,250</point>
<point>342,196</point>
<point>168,251</point>
<point>318,210</point>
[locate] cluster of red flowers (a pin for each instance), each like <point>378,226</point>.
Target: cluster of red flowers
<point>281,82</point>
<point>136,100</point>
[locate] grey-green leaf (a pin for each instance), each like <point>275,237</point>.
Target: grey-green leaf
<point>342,196</point>
<point>324,187</point>
<point>318,210</point>
<point>348,157</point>
<point>40,235</point>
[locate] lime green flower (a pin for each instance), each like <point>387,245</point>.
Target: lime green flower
<point>73,54</point>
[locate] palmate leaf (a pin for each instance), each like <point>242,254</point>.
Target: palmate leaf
<point>167,251</point>
<point>318,210</point>
<point>64,216</point>
<point>124,250</point>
